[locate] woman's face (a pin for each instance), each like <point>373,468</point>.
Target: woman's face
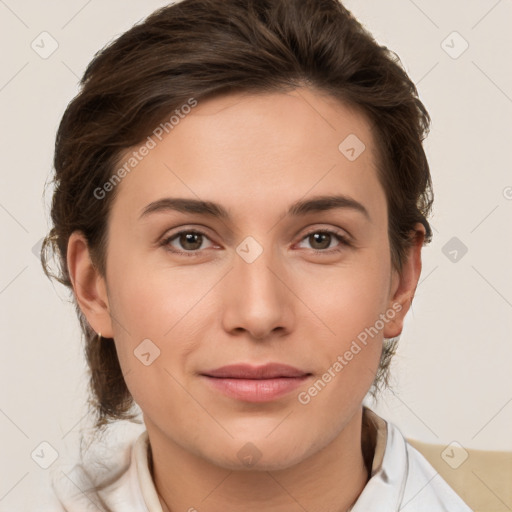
<point>267,282</point>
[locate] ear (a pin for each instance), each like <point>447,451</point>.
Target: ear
<point>88,285</point>
<point>403,284</point>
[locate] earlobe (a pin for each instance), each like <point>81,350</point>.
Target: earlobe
<point>403,284</point>
<point>88,285</point>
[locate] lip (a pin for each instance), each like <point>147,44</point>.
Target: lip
<point>247,371</point>
<point>255,383</point>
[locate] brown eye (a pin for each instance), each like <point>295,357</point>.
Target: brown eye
<point>187,242</point>
<point>321,241</point>
<point>190,241</point>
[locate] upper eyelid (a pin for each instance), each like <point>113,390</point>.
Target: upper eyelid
<point>334,231</point>
<point>313,227</point>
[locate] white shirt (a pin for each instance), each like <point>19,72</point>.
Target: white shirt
<point>118,479</point>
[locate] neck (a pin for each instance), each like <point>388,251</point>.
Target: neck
<point>328,481</point>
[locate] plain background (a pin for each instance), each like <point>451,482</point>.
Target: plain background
<point>451,377</point>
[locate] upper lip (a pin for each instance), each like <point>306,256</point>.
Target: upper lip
<point>247,371</point>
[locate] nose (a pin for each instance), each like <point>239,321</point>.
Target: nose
<point>256,298</point>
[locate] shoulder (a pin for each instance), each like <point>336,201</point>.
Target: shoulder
<point>401,478</point>
<point>424,488</point>
<point>104,479</point>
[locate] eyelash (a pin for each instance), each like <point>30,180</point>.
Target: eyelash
<point>344,241</point>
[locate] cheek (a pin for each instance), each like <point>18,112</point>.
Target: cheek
<point>153,299</point>
<point>350,306</point>
<point>350,298</point>
<point>164,306</point>
<point>349,354</point>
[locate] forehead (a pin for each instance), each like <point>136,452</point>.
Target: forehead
<point>249,151</point>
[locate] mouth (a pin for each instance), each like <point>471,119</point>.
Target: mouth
<point>255,383</point>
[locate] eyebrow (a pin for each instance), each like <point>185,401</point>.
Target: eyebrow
<point>211,209</point>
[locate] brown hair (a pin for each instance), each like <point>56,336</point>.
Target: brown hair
<point>201,48</point>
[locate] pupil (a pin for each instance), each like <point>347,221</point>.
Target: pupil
<point>189,238</point>
<point>324,236</point>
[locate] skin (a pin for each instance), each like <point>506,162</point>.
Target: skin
<point>255,155</point>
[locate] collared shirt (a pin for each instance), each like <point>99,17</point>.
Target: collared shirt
<point>401,479</point>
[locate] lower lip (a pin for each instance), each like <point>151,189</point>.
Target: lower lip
<point>256,390</point>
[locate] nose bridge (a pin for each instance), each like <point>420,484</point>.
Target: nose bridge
<point>258,301</point>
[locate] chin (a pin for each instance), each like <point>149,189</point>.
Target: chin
<point>260,455</point>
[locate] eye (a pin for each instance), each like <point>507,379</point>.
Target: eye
<point>321,240</point>
<point>190,242</point>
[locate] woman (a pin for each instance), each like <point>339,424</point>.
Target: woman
<point>240,205</point>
